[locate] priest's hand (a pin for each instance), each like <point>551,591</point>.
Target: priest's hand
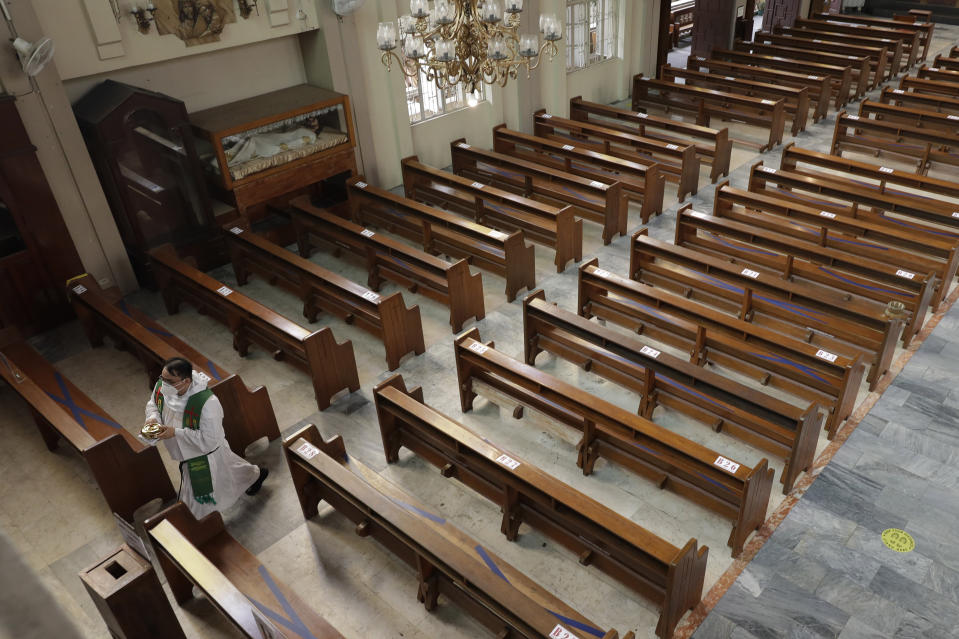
<point>166,432</point>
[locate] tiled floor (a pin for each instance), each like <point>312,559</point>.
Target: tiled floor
<point>823,572</point>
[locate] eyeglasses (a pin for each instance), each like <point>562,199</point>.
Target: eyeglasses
<point>170,381</point>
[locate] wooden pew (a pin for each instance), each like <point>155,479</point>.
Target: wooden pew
<point>642,183</point>
<point>894,47</point>
<point>797,309</point>
<point>385,316</point>
<point>811,260</point>
<point>915,117</point>
<point>819,87</point>
<point>954,52</point>
<point>840,78</point>
<point>128,472</point>
<point>940,75</point>
<point>877,55</point>
<point>858,63</point>
<point>600,201</point>
<point>202,553</point>
<point>797,99</point>
<point>691,470</point>
<point>449,283</point>
<point>913,250</point>
<point>543,223</point>
<point>712,145</point>
<point>707,103</point>
<point>447,561</point>
<point>923,29</point>
<point>247,412</point>
<point>678,164</point>
<point>331,365</point>
<point>793,156</point>
<point>898,210</point>
<point>439,231</point>
<point>910,39</point>
<point>924,101</point>
<point>924,147</point>
<point>711,336</point>
<point>947,63</point>
<point>928,86</point>
<point>770,424</point>
<point>669,576</point>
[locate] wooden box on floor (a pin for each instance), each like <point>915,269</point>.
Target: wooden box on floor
<point>129,597</point>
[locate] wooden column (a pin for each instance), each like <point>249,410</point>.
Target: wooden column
<point>713,24</point>
<point>780,13</point>
<point>662,51</point>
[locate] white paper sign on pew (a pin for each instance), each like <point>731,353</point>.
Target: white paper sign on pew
<point>308,450</point>
<point>649,352</point>
<point>826,355</point>
<point>224,290</point>
<point>508,461</point>
<point>560,632</point>
<point>726,464</point>
<point>750,273</point>
<point>478,348</point>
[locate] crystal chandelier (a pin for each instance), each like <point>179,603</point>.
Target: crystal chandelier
<point>466,41</point>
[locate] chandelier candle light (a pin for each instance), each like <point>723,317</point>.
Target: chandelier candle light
<point>466,41</point>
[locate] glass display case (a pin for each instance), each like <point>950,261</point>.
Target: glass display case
<point>278,143</point>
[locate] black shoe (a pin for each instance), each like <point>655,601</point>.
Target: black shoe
<point>255,487</point>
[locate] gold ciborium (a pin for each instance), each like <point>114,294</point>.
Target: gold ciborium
<point>151,430</point>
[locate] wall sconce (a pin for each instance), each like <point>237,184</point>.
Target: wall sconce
<point>144,16</point>
<point>246,8</point>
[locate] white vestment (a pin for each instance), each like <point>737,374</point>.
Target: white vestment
<point>232,475</point>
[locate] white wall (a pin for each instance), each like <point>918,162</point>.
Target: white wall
<point>90,41</point>
<point>213,78</point>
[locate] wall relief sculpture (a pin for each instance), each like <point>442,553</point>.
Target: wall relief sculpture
<point>194,21</point>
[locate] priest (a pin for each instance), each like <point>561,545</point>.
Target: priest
<point>191,418</point>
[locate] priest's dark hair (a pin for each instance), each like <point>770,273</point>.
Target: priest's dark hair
<point>180,367</point>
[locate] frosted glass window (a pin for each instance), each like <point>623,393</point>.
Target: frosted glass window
<point>591,32</point>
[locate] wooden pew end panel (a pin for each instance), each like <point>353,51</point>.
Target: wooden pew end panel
<point>530,348</point>
<point>308,489</point>
<point>463,373</point>
<point>391,443</point>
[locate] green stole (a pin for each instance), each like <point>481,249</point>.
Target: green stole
<point>199,467</point>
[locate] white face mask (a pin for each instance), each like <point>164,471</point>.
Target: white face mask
<point>167,389</point>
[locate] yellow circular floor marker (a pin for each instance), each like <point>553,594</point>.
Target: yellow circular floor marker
<point>898,540</point>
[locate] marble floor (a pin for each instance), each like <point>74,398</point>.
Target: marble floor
<point>818,569</point>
